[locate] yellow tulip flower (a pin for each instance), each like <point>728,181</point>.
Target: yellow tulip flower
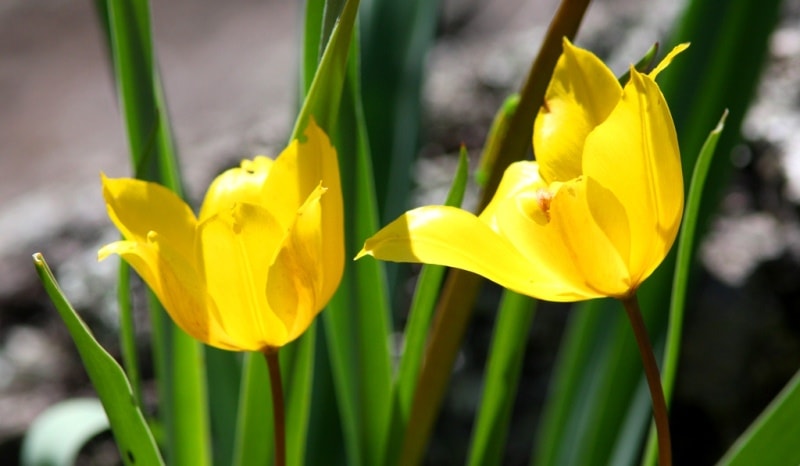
<point>592,217</point>
<point>261,260</point>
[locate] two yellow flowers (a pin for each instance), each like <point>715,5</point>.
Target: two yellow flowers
<point>262,259</point>
<point>593,217</point>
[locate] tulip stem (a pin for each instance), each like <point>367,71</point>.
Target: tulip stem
<point>274,367</point>
<point>660,414</point>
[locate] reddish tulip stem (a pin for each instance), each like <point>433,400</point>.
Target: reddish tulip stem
<point>660,414</point>
<point>274,367</point>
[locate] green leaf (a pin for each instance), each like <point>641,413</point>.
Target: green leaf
<point>772,438</point>
<point>177,357</point>
<point>254,440</point>
<point>501,379</point>
<point>57,435</point>
<point>420,316</point>
<point>397,38</point>
<point>324,95</point>
<point>680,283</point>
<point>297,369</point>
<point>642,66</point>
<point>357,318</point>
<point>497,132</point>
<point>134,439</point>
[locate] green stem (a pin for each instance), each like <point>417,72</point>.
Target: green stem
<point>660,414</point>
<point>274,367</point>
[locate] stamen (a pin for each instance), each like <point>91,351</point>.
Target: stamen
<point>544,197</point>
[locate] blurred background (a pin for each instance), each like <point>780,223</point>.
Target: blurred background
<point>230,74</point>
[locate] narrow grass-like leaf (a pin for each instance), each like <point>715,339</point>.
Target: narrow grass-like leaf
<point>57,435</point>
<point>397,37</point>
<point>501,378</point>
<point>134,439</point>
<point>254,440</point>
<point>224,373</point>
<point>424,301</point>
<point>497,132</point>
<point>357,319</point>
<point>772,439</point>
<point>127,330</point>
<point>324,95</point>
<point>461,288</point>
<point>178,357</point>
<point>680,283</point>
<point>312,44</point>
<point>642,66</point>
<point>297,369</point>
<point>419,321</point>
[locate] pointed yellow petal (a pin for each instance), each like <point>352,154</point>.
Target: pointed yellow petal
<point>176,285</point>
<point>568,250</point>
<point>581,94</point>
<point>235,249</point>
<point>518,177</point>
<point>236,185</point>
<point>668,59</point>
<point>296,173</point>
<point>634,155</point>
<point>453,237</point>
<point>296,286</point>
<point>137,207</point>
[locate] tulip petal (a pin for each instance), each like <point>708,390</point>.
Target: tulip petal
<point>235,249</point>
<point>634,154</point>
<point>138,207</point>
<point>581,94</point>
<point>668,59</point>
<point>453,237</point>
<point>241,184</point>
<point>296,173</point>
<point>296,278</point>
<point>518,177</point>
<point>176,285</point>
<point>566,245</point>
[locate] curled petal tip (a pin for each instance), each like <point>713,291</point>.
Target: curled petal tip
<point>363,252</point>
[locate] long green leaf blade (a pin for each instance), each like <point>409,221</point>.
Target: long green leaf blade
<point>500,380</point>
<point>420,314</point>
<point>680,283</point>
<point>772,439</point>
<point>134,439</point>
<point>178,357</point>
<point>357,319</point>
<point>324,95</point>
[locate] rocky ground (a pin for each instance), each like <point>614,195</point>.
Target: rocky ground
<point>229,73</point>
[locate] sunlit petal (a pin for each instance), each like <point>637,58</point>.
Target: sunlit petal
<point>564,244</point>
<point>581,94</point>
<point>518,177</point>
<point>234,250</point>
<point>176,285</point>
<point>138,207</point>
<point>241,184</point>
<point>294,287</point>
<point>455,238</point>
<point>634,154</point>
<point>297,171</point>
<point>668,59</point>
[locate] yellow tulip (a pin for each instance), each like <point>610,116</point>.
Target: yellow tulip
<point>592,217</point>
<point>261,260</point>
